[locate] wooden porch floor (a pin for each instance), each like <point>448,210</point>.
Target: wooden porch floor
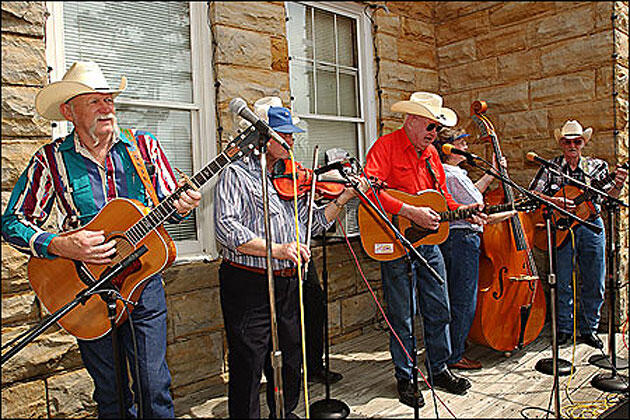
<point>502,389</point>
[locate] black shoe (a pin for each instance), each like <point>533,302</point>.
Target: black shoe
<point>450,383</point>
<point>563,338</point>
<point>319,376</point>
<point>405,393</point>
<point>592,340</point>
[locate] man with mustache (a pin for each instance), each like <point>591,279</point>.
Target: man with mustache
<point>406,160</point>
<point>79,174</point>
<point>589,249</point>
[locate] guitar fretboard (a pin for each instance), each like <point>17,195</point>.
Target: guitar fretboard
<point>242,146</point>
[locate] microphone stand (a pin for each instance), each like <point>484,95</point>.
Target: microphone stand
<point>410,249</point>
<point>276,353</point>
<point>612,383</point>
<point>328,408</point>
<point>107,292</point>
<point>615,382</point>
<point>547,366</point>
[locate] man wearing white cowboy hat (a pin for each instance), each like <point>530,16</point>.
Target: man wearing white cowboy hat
<point>589,246</point>
<point>406,160</point>
<point>80,173</point>
<point>240,230</point>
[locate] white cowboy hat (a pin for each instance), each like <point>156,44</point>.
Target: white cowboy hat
<point>82,77</point>
<point>572,130</point>
<point>427,105</point>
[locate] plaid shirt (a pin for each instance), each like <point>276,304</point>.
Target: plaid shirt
<point>588,170</point>
<point>65,174</point>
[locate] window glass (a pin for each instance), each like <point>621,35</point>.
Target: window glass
<point>149,43</point>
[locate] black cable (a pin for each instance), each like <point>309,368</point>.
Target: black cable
<point>377,71</point>
<point>126,302</point>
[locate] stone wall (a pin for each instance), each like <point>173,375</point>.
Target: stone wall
<point>538,64</point>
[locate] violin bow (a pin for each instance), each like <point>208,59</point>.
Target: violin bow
<point>311,203</point>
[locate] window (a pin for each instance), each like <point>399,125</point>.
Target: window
<point>331,79</point>
<point>162,49</point>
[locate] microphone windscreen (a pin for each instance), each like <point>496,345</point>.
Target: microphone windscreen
<point>531,156</point>
<point>236,105</point>
<point>446,148</point>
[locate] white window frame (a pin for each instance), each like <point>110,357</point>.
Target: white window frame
<point>367,85</point>
<point>203,124</point>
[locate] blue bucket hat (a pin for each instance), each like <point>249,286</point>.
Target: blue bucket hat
<point>280,120</point>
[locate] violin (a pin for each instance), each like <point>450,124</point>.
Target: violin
<point>282,179</point>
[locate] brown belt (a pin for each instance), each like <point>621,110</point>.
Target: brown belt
<point>285,272</point>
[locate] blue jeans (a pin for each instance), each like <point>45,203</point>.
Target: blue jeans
<point>590,252</point>
<point>149,322</point>
<point>461,258</point>
<point>434,307</point>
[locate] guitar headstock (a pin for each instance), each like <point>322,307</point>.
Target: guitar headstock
<point>244,143</point>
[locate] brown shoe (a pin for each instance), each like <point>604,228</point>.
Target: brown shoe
<point>466,364</point>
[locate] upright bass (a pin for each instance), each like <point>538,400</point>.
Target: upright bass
<point>510,305</point>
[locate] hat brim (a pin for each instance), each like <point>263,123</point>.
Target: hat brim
<point>444,116</point>
<point>288,128</point>
<point>49,99</point>
<point>586,135</point>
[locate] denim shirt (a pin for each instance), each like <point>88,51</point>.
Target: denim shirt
<point>463,190</point>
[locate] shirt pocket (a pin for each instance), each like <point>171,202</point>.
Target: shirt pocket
<point>82,190</point>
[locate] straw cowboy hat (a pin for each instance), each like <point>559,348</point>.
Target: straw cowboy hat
<point>572,130</point>
<point>82,77</point>
<point>427,105</point>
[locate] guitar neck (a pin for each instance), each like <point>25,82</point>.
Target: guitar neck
<point>450,215</point>
<point>598,184</point>
<point>241,146</point>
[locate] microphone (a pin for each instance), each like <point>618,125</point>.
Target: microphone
<point>239,107</point>
<point>533,157</point>
<point>450,149</point>
<point>338,165</point>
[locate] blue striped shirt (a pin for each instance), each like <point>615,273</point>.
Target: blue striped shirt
<point>239,216</point>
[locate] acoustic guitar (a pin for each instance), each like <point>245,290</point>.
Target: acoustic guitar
<point>381,244</point>
<point>584,209</point>
<point>131,225</point>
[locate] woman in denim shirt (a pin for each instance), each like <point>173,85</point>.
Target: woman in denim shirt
<point>462,248</point>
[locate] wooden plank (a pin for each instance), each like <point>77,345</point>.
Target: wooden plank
<point>502,389</point>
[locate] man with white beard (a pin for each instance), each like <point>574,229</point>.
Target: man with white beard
<point>80,174</point>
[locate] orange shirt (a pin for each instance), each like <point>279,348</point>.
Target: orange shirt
<point>393,159</point>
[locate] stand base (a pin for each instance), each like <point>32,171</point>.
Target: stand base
<point>616,383</point>
<point>329,409</point>
<point>603,362</point>
<point>546,366</point>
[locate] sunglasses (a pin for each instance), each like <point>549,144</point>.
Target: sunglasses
<point>578,141</point>
<point>435,126</point>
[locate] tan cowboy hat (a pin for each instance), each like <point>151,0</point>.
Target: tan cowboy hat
<point>427,105</point>
<point>82,77</point>
<point>571,130</point>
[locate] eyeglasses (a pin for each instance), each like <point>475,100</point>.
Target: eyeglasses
<point>577,141</point>
<point>435,126</point>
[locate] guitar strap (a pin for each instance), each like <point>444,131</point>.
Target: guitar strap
<point>435,181</point>
<point>141,168</point>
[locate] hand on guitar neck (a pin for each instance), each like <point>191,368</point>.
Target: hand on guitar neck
<point>427,218</point>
